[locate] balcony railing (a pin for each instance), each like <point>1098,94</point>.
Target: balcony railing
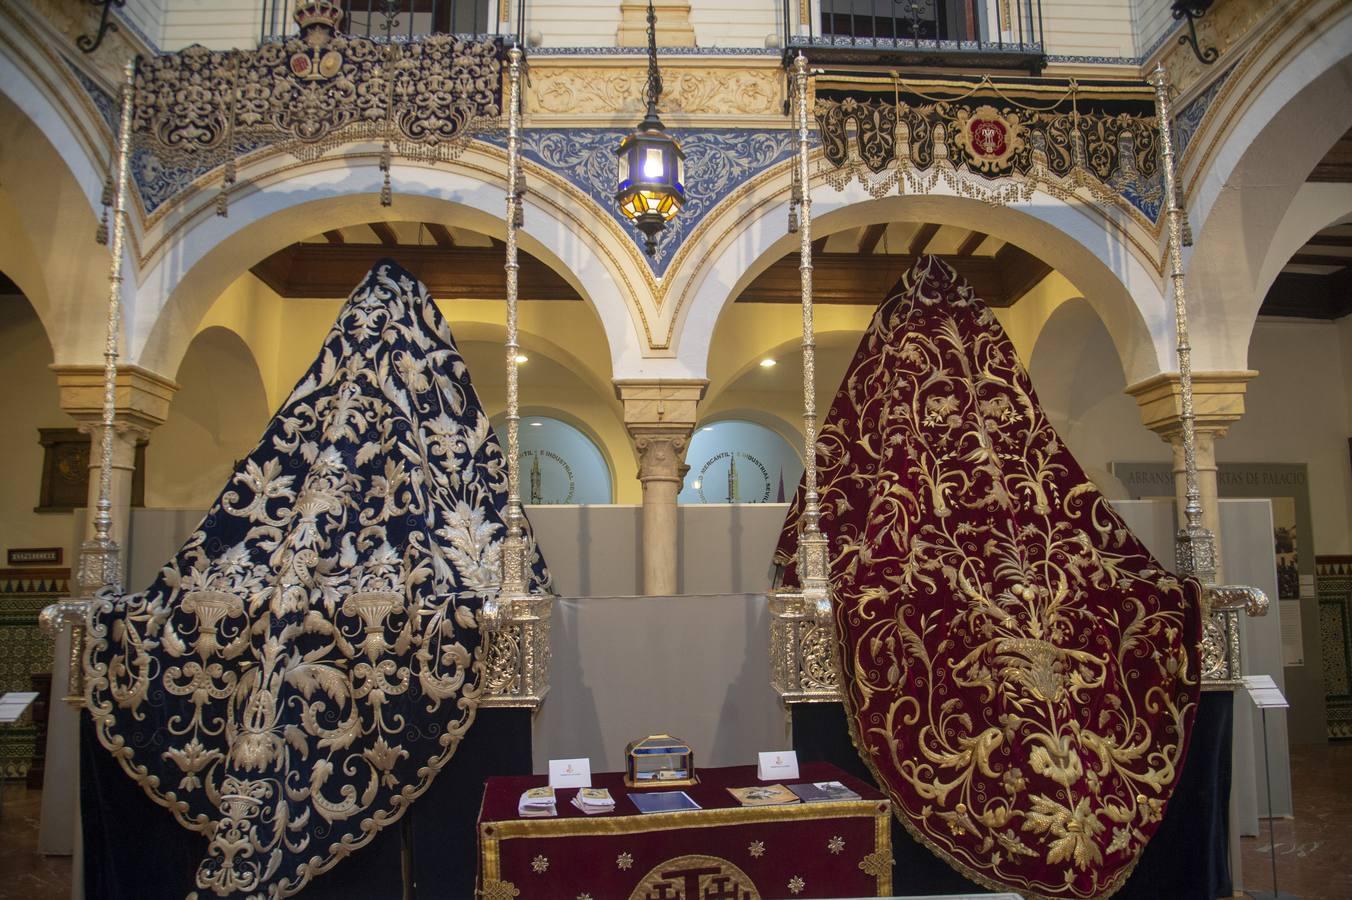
<point>394,19</point>
<point>986,34</point>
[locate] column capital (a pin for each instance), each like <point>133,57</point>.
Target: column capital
<point>662,405</point>
<point>142,396</point>
<point>1217,400</point>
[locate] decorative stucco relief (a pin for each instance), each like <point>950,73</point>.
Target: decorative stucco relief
<point>610,93</point>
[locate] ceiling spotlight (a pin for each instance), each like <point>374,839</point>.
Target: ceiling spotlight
<point>696,485</point>
<point>522,358</point>
<point>707,428</point>
<point>767,363</point>
<point>536,424</point>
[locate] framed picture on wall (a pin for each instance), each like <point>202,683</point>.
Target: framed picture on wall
<point>65,471</point>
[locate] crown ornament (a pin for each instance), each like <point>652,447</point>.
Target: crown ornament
<point>312,14</point>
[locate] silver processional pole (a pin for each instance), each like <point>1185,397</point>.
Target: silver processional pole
<point>803,658</point>
<point>1221,663</point>
<point>100,562</point>
<point>516,622</point>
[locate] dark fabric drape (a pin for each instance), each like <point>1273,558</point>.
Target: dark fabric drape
<point>1020,674</point>
<point>1187,859</point>
<point>309,660</point>
<point>133,851</point>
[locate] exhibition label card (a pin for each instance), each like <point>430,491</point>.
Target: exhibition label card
<point>1264,692</point>
<point>570,773</point>
<point>778,765</point>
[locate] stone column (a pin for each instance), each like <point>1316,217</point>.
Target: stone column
<point>660,415</point>
<point>1218,401</point>
<point>143,399</point>
<point>142,402</point>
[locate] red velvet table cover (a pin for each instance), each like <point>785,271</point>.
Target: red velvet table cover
<point>723,851</point>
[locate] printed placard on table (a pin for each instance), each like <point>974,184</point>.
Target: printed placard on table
<point>570,773</point>
<point>778,765</point>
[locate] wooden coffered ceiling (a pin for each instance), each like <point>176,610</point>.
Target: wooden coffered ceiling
<point>855,266</point>
<point>859,265</point>
<point>1336,166</point>
<point>454,263</point>
<point>1316,283</point>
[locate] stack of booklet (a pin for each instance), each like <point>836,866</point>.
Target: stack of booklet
<point>764,795</point>
<point>823,791</point>
<point>537,802</point>
<point>594,800</point>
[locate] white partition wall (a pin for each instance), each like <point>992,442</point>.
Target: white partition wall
<point>698,663</point>
<point>1246,549</point>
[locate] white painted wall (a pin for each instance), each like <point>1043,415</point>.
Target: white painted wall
<point>217,24</point>
<point>1088,28</point>
<point>1300,410</point>
<point>24,357</point>
<point>1151,19</point>
<point>1110,28</point>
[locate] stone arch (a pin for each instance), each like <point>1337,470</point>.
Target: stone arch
<point>569,390</point>
<point>47,225</point>
<point>1315,207</point>
<point>31,401</point>
<point>193,255</point>
<point>1102,253</point>
<point>216,417</point>
<point>581,425</point>
<point>1079,384</point>
<point>1252,174</point>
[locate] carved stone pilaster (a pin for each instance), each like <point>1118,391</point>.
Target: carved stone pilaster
<point>660,416</point>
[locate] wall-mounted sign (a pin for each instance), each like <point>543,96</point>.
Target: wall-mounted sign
<point>34,556</point>
<point>740,462</point>
<point>559,464</point>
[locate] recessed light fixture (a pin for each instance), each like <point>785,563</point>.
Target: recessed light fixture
<point>767,363</point>
<point>707,428</point>
<point>522,358</point>
<point>696,485</point>
<point>536,424</point>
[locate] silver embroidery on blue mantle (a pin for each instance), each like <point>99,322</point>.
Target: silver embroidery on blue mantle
<point>311,656</point>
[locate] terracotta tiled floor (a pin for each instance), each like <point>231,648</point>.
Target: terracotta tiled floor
<point>1314,850</point>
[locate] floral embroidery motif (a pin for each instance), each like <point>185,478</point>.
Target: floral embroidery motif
<point>836,845</point>
<point>311,657</point>
<point>1020,674</point>
<point>540,864</point>
<point>796,885</point>
<point>624,861</point>
<point>756,849</point>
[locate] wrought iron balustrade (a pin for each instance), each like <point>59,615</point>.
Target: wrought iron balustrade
<point>394,19</point>
<point>986,34</point>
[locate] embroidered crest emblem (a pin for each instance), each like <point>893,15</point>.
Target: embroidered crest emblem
<point>989,139</point>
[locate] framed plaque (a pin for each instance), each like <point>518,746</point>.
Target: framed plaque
<point>65,471</point>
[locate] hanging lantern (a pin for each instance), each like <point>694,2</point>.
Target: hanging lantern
<point>651,187</point>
